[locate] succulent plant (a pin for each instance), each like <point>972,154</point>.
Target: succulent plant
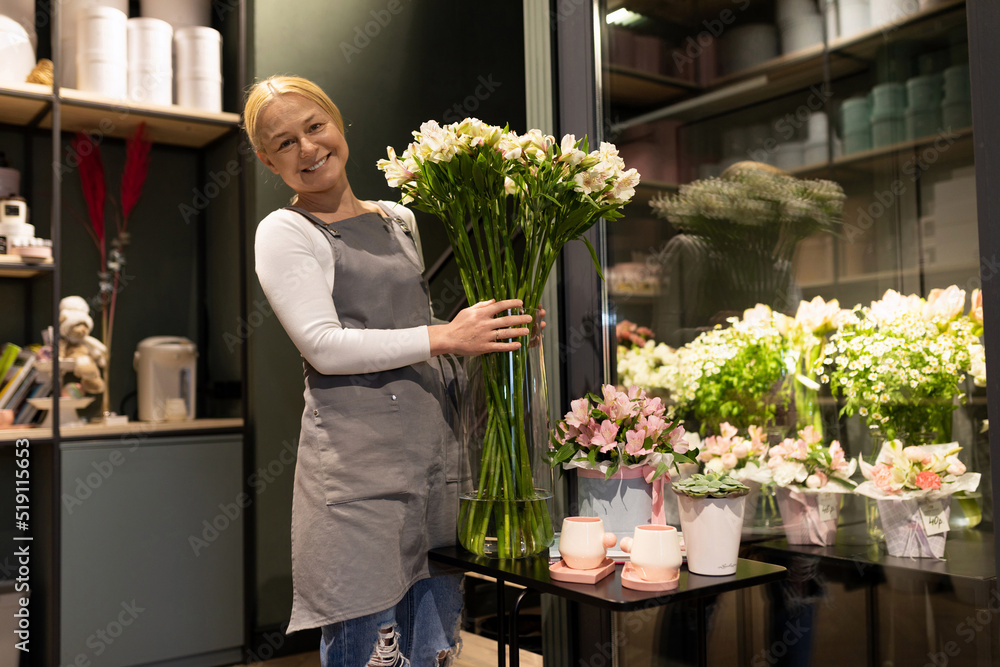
<point>710,485</point>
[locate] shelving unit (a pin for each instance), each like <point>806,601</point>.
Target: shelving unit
<point>177,473</point>
<point>776,77</point>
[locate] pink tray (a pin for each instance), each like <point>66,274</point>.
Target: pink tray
<point>633,581</point>
<point>561,572</point>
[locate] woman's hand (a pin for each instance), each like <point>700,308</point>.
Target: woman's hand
<point>478,329</point>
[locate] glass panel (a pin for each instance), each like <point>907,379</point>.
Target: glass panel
<point>856,116</point>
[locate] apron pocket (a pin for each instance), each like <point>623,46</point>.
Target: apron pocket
<point>364,452</point>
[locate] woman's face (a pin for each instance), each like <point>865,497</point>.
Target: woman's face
<point>302,144</point>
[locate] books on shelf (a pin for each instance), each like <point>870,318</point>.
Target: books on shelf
<point>21,381</point>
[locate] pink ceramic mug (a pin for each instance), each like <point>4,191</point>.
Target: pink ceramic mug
<point>655,552</point>
<point>583,543</point>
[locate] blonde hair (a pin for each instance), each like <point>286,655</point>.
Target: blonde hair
<point>264,92</point>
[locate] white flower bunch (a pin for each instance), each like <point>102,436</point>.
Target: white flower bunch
<point>899,363</point>
<point>651,365</point>
<point>600,174</point>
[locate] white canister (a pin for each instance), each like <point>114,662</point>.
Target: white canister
<point>791,10</point>
<point>150,67</point>
<point>819,127</point>
<point>801,33</point>
<point>855,16</point>
<point>199,67</point>
<point>178,13</point>
<point>68,13</point>
<point>891,11</point>
<point>746,46</point>
<point>102,51</point>
<point>199,52</point>
<point>17,56</point>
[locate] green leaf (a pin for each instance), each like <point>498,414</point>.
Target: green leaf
<point>593,256</point>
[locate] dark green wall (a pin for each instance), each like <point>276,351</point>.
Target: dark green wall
<point>417,61</point>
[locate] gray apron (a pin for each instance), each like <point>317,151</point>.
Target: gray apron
<point>377,469</point>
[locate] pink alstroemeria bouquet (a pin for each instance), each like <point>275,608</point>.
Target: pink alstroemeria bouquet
<point>913,486</point>
<point>809,476</point>
<point>622,429</point>
<point>741,457</point>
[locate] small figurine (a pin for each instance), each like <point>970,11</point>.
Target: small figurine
<point>89,354</point>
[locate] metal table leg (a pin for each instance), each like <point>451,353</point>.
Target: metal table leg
<point>501,624</point>
<point>515,654</point>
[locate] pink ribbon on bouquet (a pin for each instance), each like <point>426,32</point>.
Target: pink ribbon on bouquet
<point>815,526</point>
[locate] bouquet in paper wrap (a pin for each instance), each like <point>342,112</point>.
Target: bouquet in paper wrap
<point>810,478</point>
<point>913,486</point>
<point>621,429</point>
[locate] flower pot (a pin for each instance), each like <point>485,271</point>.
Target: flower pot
<point>906,532</point>
<point>809,518</point>
<point>712,529</point>
<point>506,482</point>
<point>622,502</point>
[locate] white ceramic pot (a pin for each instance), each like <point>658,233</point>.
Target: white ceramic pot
<point>712,529</point>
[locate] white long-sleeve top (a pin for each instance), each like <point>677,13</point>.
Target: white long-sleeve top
<point>295,267</point>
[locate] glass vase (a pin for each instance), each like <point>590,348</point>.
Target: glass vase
<point>506,491</point>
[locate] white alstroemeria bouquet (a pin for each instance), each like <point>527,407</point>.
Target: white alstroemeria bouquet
<point>912,486</point>
<point>741,457</point>
<point>807,336</point>
<point>901,362</point>
<point>621,429</point>
<point>731,374</point>
<point>489,187</point>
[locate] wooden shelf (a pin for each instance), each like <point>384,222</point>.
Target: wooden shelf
<point>796,71</point>
<point>28,104</point>
<point>19,269</point>
<point>22,103</point>
<point>136,428</point>
<point>958,147</point>
<point>631,87</point>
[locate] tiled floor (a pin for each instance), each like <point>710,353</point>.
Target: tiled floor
<point>476,652</point>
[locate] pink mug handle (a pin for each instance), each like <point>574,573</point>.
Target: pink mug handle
<point>609,539</point>
<point>627,545</point>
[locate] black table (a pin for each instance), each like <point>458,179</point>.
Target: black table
<point>608,593</point>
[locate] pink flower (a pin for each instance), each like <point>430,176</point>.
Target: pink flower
<point>817,480</point>
<point>956,468</point>
<point>801,451</point>
<point>604,437</point>
<point>927,479</point>
<point>915,454</point>
<point>728,431</point>
<point>587,432</point>
<point>945,303</point>
<point>882,476</point>
<point>775,461</point>
<point>729,461</point>
<point>634,441</point>
<point>677,440</point>
<point>654,426</point>
<point>837,459</point>
<point>810,435</point>
<point>580,412</point>
<point>757,442</point>
<point>741,449</point>
<point>654,406</point>
<point>976,307</point>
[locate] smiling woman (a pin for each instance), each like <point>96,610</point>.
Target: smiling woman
<point>375,484</point>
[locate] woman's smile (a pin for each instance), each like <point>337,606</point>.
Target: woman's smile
<point>318,164</point>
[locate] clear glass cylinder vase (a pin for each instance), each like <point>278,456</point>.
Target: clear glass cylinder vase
<point>506,486</point>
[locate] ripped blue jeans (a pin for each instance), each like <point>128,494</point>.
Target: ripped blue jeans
<point>422,630</point>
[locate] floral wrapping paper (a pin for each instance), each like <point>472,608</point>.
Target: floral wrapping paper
<point>904,529</point>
